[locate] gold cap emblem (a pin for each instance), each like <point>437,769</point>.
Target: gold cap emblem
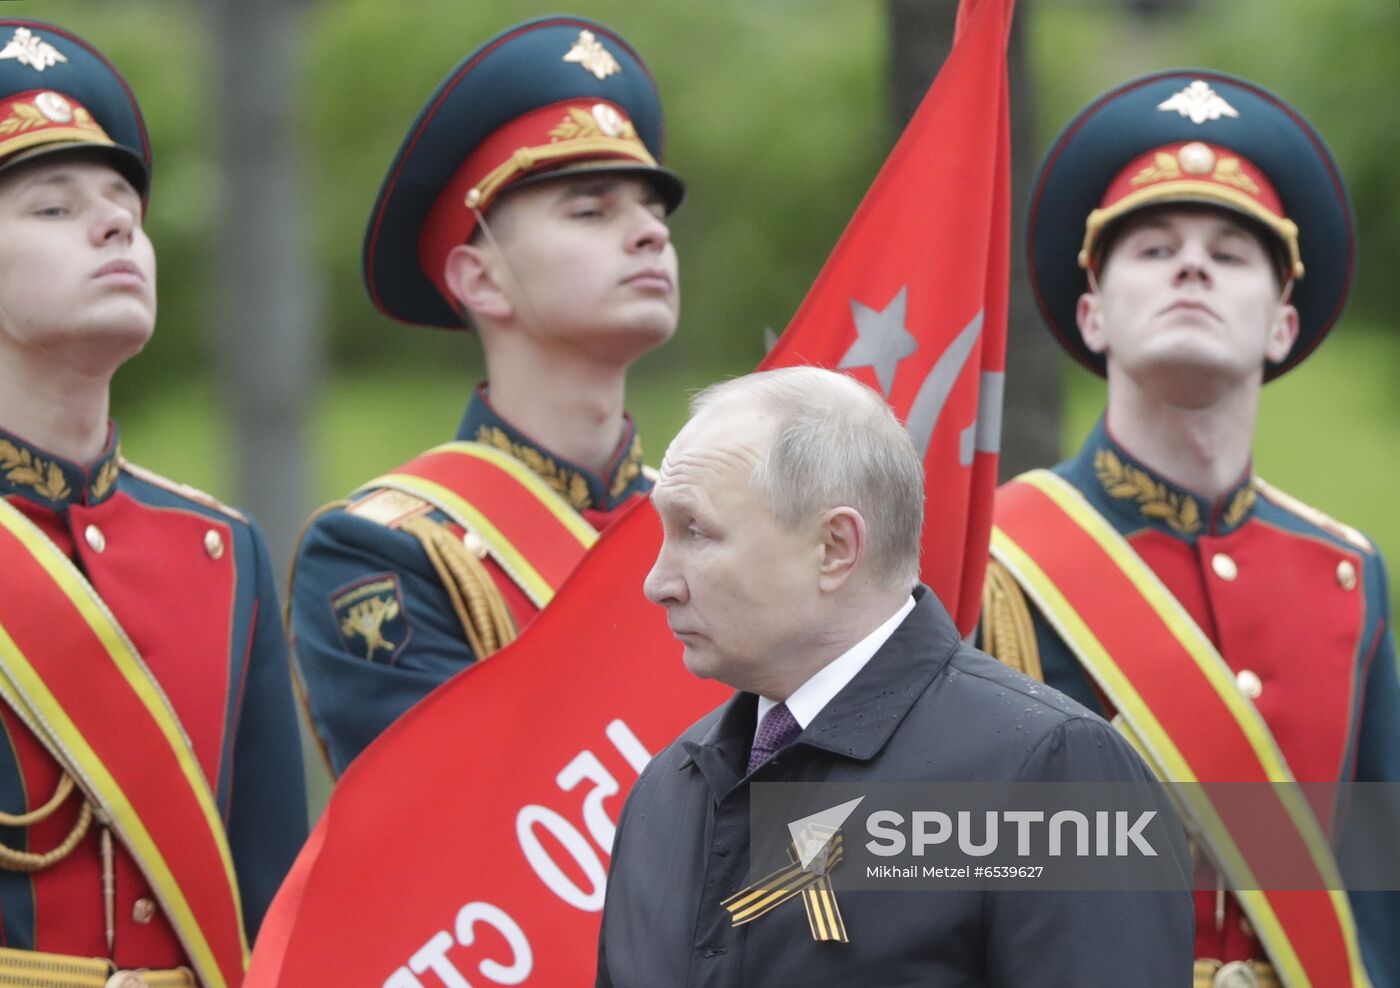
<point>1196,158</point>
<point>589,52</point>
<point>28,48</point>
<point>55,107</point>
<point>610,122</point>
<point>1199,102</point>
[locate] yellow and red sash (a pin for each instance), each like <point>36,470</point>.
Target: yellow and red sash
<point>529,530</point>
<point>1178,702</point>
<point>72,675</point>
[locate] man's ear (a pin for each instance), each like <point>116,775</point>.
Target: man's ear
<point>1089,315</point>
<point>1283,333</point>
<point>471,273</point>
<point>843,537</point>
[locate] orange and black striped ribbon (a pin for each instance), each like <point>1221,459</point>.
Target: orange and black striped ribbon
<point>813,883</point>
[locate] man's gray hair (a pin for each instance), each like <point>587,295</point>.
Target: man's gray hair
<point>836,444</point>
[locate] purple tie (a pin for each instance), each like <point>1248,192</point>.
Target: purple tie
<point>778,730</point>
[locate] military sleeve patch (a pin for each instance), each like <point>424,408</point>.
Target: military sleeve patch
<point>370,617</point>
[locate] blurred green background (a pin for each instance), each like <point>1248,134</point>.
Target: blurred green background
<point>778,117</point>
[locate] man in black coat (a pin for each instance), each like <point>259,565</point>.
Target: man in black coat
<point>791,505</point>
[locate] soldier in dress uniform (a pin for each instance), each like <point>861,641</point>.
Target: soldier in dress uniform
<point>527,203</point>
<point>1190,239</point>
<point>151,793</point>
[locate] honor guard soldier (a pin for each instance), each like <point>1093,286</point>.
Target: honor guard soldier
<point>151,793</point>
<point>527,203</point>
<point>1190,239</point>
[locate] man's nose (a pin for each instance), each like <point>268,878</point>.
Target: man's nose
<point>648,231</point>
<point>1193,263</point>
<point>114,222</point>
<point>663,584</point>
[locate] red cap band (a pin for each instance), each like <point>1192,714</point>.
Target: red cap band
<point>548,138</point>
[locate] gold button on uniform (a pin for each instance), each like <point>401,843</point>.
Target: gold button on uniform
<point>1346,575</point>
<point>143,911</point>
<point>475,544</point>
<point>1224,566</point>
<point>1249,683</point>
<point>95,539</point>
<point>213,544</point>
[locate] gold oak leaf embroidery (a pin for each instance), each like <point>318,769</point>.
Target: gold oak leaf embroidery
<point>1229,172</point>
<point>23,116</point>
<point>24,469</point>
<point>1164,166</point>
<point>1129,483</point>
<point>53,486</point>
<point>571,485</point>
<point>1239,506</point>
<point>366,620</point>
<point>107,477</point>
<point>579,123</point>
<point>629,469</point>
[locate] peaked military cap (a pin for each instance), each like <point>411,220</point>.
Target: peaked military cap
<point>1191,136</point>
<point>549,95</point>
<point>58,93</point>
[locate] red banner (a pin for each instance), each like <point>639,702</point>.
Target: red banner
<point>912,301</point>
<point>468,845</point>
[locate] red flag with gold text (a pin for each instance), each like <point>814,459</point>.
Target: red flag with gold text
<point>912,300</point>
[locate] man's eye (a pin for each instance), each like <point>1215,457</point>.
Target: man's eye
<point>51,210</point>
<point>695,534</point>
<point>1156,250</point>
<point>1227,257</point>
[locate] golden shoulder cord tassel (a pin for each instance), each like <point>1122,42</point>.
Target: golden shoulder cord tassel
<point>28,861</point>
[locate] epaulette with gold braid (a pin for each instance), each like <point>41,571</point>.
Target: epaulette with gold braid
<point>1008,634</point>
<point>388,507</point>
<point>1307,512</point>
<point>184,490</point>
<point>476,599</point>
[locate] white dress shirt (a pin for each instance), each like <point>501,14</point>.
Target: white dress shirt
<point>808,699</point>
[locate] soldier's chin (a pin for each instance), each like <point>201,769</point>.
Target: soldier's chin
<point>1194,373</point>
<point>643,334</point>
<point>105,340</point>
